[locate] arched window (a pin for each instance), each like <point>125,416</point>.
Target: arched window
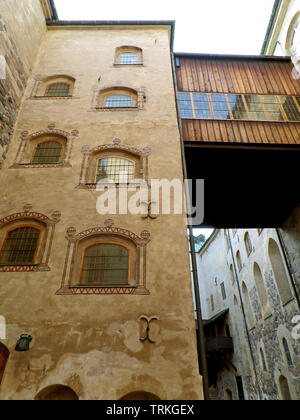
<point>105,264</point>
<point>117,98</point>
<point>115,163</point>
<point>247,304</point>
<point>238,260</point>
<point>248,243</point>
<point>55,86</point>
<point>20,245</point>
<point>228,395</point>
<point>128,55</point>
<point>284,388</point>
<point>279,271</point>
<point>58,89</point>
<point>49,151</point>
<point>116,169</point>
<point>287,352</point>
<point>118,101</point>
<point>260,286</point>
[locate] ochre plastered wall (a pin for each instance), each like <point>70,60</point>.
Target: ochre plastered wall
<point>91,343</point>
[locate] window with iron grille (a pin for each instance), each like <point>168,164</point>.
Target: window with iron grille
<point>105,264</point>
<point>58,89</point>
<point>47,152</point>
<point>128,58</point>
<point>118,101</point>
<point>118,170</point>
<point>20,246</point>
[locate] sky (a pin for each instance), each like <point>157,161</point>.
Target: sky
<point>201,26</point>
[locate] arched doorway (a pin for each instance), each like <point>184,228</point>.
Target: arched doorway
<point>284,388</point>
<point>228,395</point>
<point>4,353</point>
<point>140,395</point>
<point>56,392</point>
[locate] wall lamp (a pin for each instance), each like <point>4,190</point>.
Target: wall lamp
<point>23,342</point>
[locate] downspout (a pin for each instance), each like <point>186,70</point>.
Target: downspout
<point>270,27</point>
<point>244,317</point>
<point>288,265</point>
<point>200,329</point>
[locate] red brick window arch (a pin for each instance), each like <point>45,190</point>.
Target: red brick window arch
<point>26,240</point>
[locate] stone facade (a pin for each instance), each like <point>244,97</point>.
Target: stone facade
<point>283,37</point>
<point>22,27</point>
<point>97,342</point>
<point>262,301</point>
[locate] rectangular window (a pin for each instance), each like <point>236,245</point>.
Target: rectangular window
<point>237,106</point>
<point>255,108</point>
<point>290,108</point>
<point>220,106</point>
<point>223,106</point>
<point>212,303</point>
<point>201,106</point>
<point>223,291</point>
<point>272,108</point>
<point>185,105</point>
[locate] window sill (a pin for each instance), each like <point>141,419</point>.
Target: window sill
<point>128,65</point>
<point>104,109</point>
<point>103,290</point>
<point>40,165</point>
<point>44,97</point>
<point>12,268</point>
<point>93,185</point>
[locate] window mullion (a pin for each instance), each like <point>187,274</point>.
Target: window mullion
<point>211,106</point>
<point>282,108</point>
<point>246,106</point>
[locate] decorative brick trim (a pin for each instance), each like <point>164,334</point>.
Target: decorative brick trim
<point>142,152</point>
<point>26,137</point>
<point>69,288</point>
<point>44,247</point>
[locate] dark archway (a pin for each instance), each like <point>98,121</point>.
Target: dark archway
<point>56,392</point>
<point>140,395</point>
<point>4,353</point>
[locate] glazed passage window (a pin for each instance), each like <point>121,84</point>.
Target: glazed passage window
<point>118,170</point>
<point>105,264</point>
<point>118,101</point>
<point>58,89</point>
<point>221,106</point>
<point>20,246</point>
<point>47,152</point>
